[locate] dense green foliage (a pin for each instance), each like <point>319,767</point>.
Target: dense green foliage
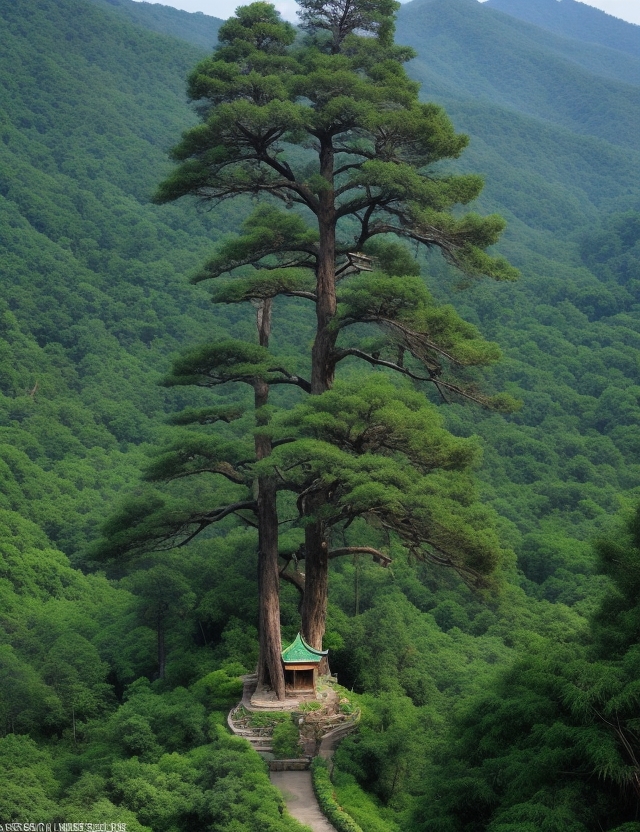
<point>474,706</point>
<point>285,740</point>
<point>335,130</point>
<point>323,789</point>
<point>567,329</point>
<point>159,760</point>
<point>92,302</point>
<point>575,20</point>
<point>527,753</point>
<point>198,29</point>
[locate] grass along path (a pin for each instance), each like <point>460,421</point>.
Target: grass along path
<point>297,790</point>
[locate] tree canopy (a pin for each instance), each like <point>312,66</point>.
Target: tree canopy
<point>334,131</point>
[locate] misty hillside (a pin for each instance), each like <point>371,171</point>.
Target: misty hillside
<point>557,143</point>
<point>503,61</point>
<point>575,20</point>
<point>199,29</point>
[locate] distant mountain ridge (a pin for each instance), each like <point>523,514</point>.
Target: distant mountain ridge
<point>198,29</point>
<point>467,51</point>
<point>573,19</point>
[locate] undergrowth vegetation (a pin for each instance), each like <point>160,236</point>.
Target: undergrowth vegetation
<point>509,707</point>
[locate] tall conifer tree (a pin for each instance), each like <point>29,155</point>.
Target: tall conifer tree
<point>333,130</point>
<point>369,147</point>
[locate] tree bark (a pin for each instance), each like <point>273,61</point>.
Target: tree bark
<point>314,603</point>
<point>322,364</point>
<point>270,669</point>
<point>316,579</point>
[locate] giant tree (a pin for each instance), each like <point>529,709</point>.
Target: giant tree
<point>334,130</point>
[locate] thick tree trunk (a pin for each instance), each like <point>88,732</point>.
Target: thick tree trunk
<point>314,604</point>
<point>316,579</point>
<point>322,364</point>
<point>270,669</point>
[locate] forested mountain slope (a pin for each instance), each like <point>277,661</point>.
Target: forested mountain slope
<point>575,20</point>
<point>93,292</point>
<point>514,64</point>
<point>199,29</point>
<point>571,194</point>
<point>95,300</point>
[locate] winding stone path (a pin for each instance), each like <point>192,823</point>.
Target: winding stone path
<point>301,802</point>
<point>296,786</point>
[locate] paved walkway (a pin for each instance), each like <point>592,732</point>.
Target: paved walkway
<point>296,786</point>
<point>297,790</point>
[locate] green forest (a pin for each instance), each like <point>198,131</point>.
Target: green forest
<point>334,330</point>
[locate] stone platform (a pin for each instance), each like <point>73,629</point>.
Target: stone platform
<point>315,724</point>
<point>265,699</point>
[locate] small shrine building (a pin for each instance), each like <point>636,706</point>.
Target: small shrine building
<point>301,666</point>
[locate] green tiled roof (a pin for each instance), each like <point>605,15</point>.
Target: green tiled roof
<point>300,653</point>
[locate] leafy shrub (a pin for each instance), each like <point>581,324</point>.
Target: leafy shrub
<point>362,806</point>
<point>286,740</point>
<point>218,690</point>
<point>323,788</point>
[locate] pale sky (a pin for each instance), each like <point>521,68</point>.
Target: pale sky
<point>626,9</point>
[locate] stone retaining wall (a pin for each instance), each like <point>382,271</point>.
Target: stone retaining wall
<point>299,764</point>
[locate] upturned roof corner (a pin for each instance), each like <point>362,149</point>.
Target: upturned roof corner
<point>299,652</point>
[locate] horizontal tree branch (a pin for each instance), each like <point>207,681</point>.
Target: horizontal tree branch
<point>289,378</point>
<point>294,578</point>
<point>306,295</point>
<point>251,258</point>
<point>224,469</point>
<point>233,508</point>
<point>437,381</point>
<point>379,362</point>
<point>377,555</point>
<point>410,334</point>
